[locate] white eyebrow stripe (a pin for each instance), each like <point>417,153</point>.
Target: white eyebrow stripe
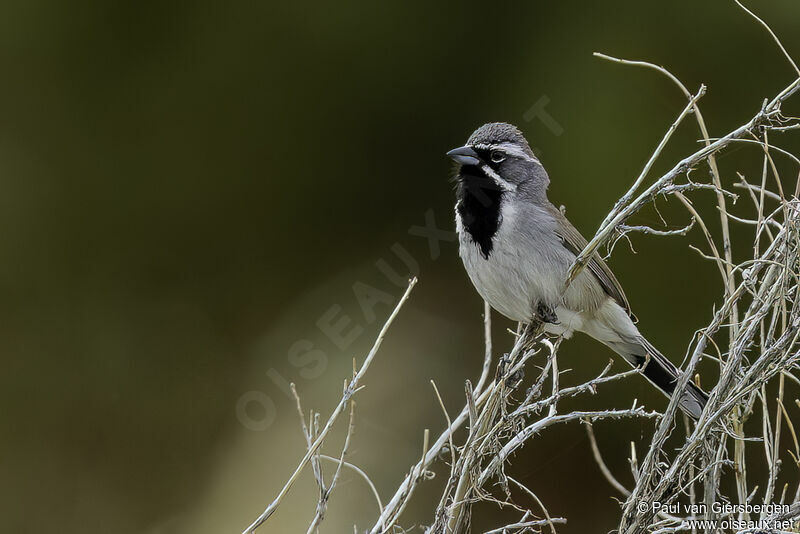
<point>516,150</point>
<point>509,148</point>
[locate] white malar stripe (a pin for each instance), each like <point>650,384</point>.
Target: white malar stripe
<point>504,185</point>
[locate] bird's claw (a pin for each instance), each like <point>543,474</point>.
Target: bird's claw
<point>512,380</point>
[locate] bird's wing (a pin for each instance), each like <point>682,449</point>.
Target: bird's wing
<point>575,242</point>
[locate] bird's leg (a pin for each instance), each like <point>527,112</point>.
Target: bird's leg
<point>546,314</point>
<point>502,364</point>
<point>514,379</point>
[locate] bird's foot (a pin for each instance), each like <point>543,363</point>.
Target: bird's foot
<point>546,314</point>
<point>512,380</point>
<point>515,378</point>
<point>502,363</point>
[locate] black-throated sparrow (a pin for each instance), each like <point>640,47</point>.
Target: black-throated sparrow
<point>517,248</point>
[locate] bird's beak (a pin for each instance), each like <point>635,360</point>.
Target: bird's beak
<point>464,155</point>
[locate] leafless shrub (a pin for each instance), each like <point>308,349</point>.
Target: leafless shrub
<point>752,337</point>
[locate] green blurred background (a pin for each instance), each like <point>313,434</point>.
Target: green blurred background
<point>189,187</point>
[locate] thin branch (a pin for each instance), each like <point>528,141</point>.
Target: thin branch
<point>350,390</point>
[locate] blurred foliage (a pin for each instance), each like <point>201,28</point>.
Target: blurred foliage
<point>188,186</point>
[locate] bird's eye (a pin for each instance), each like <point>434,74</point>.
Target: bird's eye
<point>497,156</point>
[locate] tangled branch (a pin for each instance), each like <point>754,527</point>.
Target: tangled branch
<point>753,339</point>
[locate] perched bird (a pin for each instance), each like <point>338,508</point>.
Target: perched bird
<point>517,249</point>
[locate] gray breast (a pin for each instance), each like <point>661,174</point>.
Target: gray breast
<point>525,266</point>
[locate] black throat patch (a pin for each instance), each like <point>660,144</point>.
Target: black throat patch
<point>479,199</point>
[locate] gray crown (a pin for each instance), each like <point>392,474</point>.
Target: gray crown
<point>497,132</point>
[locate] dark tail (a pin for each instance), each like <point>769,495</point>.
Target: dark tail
<point>661,372</point>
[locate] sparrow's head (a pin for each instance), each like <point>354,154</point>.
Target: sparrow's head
<point>499,154</point>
